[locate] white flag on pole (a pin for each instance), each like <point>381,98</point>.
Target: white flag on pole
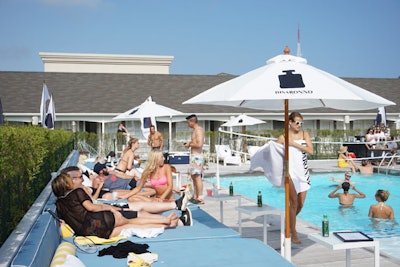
<point>43,104</point>
<point>147,122</point>
<point>381,116</point>
<point>51,114</point>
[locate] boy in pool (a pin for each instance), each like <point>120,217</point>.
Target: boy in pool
<point>346,198</point>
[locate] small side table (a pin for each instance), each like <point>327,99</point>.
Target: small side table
<point>335,243</point>
<point>221,198</point>
<point>263,211</point>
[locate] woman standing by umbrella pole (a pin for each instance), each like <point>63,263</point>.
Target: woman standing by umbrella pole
<point>300,146</point>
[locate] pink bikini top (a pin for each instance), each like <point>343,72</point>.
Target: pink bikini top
<point>159,182</point>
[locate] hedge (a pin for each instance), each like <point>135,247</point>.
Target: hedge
<point>28,155</point>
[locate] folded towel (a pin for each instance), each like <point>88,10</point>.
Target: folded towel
<point>143,232</point>
<point>98,240</point>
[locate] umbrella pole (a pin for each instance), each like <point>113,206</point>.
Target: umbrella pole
<point>244,141</point>
<point>287,245</point>
<point>169,134</point>
<point>217,158</point>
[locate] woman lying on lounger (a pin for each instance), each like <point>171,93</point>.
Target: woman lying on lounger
<point>141,203</point>
<point>76,208</point>
<point>97,191</point>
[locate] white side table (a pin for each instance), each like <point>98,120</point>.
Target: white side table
<point>335,243</point>
<point>263,211</point>
<point>221,198</point>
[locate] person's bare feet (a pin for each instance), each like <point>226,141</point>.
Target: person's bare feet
<point>174,219</point>
<point>295,239</point>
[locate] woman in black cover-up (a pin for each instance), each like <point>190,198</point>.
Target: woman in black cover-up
<point>76,208</point>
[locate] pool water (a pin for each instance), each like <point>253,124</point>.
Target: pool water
<point>318,203</point>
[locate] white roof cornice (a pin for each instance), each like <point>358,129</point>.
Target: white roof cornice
<point>105,63</point>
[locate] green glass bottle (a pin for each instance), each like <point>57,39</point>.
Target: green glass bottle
<point>231,189</point>
<point>259,199</point>
<point>325,226</point>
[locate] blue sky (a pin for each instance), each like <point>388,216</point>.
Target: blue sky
<point>348,38</point>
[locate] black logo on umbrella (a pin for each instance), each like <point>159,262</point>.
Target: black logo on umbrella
<point>290,80</point>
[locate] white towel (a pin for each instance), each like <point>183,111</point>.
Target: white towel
<point>143,232</point>
<point>270,158</point>
<point>298,168</point>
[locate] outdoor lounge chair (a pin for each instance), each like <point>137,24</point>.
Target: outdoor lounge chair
<point>224,153</point>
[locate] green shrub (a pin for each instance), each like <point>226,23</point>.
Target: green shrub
<point>27,157</point>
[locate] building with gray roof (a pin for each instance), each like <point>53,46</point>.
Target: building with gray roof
<point>88,100</point>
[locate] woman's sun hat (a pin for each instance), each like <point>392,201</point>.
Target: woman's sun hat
<point>343,149</point>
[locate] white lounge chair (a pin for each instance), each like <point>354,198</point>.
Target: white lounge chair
<point>224,153</point>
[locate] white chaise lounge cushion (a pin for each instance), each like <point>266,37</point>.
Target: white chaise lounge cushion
<point>225,153</point>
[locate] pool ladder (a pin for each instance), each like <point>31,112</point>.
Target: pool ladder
<point>391,157</point>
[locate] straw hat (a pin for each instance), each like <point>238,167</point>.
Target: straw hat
<point>343,149</point>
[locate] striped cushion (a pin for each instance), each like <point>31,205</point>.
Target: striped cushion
<point>61,253</point>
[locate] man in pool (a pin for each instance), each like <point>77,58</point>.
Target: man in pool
<point>347,177</point>
<point>346,198</point>
<point>365,168</point>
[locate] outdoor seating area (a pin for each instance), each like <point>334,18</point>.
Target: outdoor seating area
<point>205,237</point>
<point>198,243</point>
<point>207,242</point>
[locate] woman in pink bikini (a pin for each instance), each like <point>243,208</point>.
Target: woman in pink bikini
<point>159,177</point>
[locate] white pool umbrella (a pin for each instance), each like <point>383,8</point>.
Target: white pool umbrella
<point>148,108</point>
<point>242,120</point>
<point>151,109</point>
<point>289,81</point>
<point>289,77</point>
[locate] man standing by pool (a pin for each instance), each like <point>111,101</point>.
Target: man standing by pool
<point>196,158</point>
<point>155,140</point>
<point>346,198</point>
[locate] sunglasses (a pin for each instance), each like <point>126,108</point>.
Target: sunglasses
<point>298,123</point>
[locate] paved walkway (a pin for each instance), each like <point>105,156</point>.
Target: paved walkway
<point>307,254</point>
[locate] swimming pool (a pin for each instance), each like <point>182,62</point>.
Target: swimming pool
<point>317,202</point>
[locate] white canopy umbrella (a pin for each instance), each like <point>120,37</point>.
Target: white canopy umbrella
<point>148,108</point>
<point>151,109</point>
<point>289,77</point>
<point>288,81</point>
<point>242,120</point>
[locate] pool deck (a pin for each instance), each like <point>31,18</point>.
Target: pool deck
<point>307,254</point>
